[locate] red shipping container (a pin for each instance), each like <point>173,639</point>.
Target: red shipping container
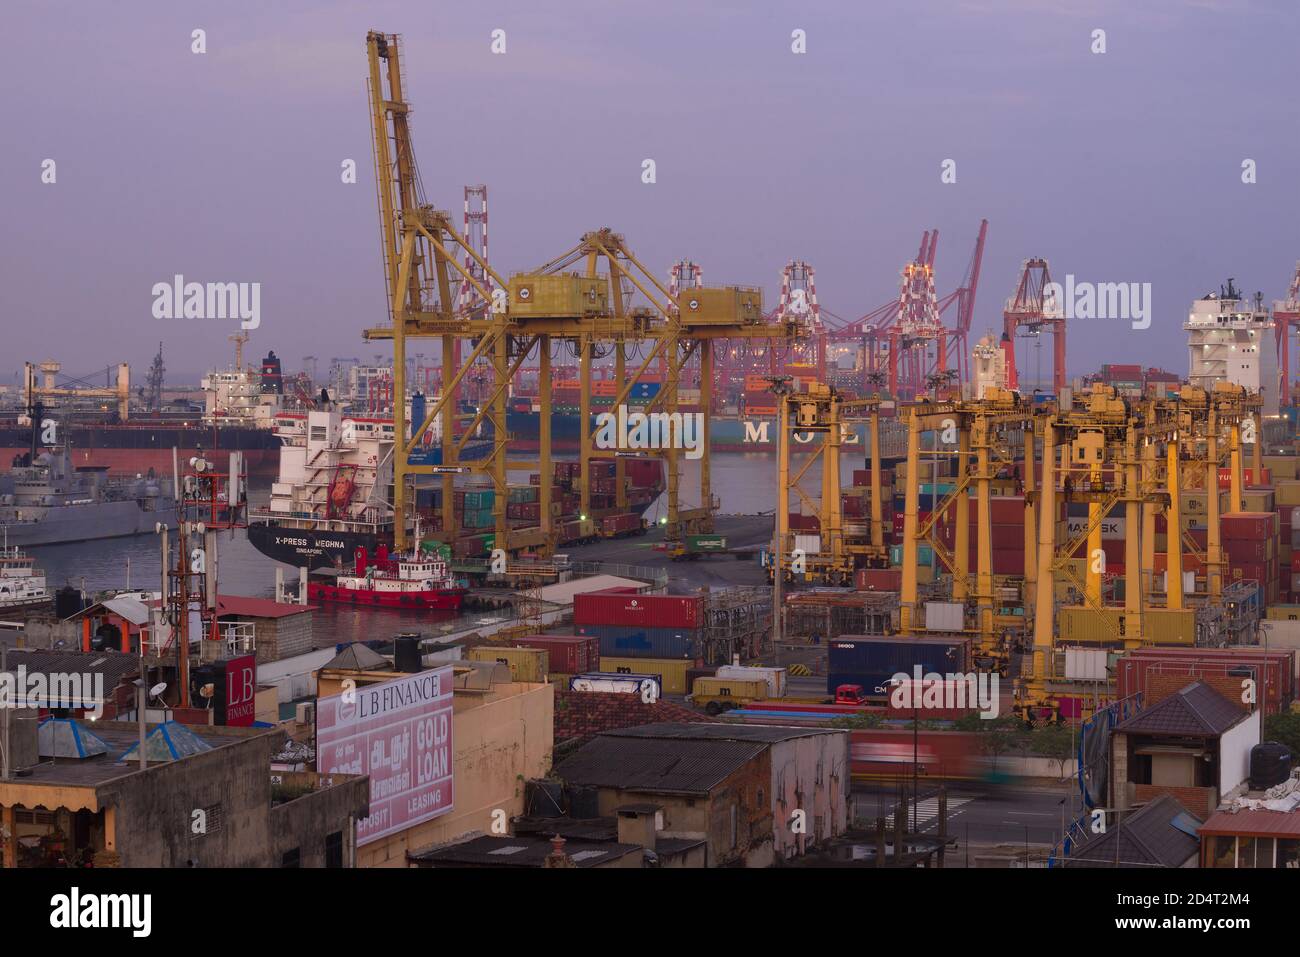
<point>1005,562</point>
<point>1243,552</point>
<point>1248,525</point>
<point>569,654</point>
<point>1006,510</point>
<point>878,579</point>
<point>649,611</point>
<point>620,524</point>
<point>1274,671</point>
<point>1248,476</point>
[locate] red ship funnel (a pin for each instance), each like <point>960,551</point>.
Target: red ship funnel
<point>360,558</point>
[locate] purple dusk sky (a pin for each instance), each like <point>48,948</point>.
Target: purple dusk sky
<point>1119,167</point>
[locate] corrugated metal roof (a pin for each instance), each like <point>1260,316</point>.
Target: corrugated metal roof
<point>768,734</point>
<point>521,852</point>
<point>1261,823</point>
<point>563,593</point>
<point>656,764</point>
<point>113,665</point>
<point>133,610</point>
<point>1196,710</point>
<point>357,657</point>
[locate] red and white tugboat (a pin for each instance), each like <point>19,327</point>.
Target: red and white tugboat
<point>408,581</point>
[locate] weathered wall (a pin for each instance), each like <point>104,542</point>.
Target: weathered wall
<point>286,637</point>
<point>499,743</point>
<point>153,811</point>
<point>305,822</point>
<point>809,774</point>
<point>155,808</point>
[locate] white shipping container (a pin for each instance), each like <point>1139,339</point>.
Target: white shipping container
<point>775,677</point>
<point>945,616</point>
<point>810,544</point>
<point>649,687</point>
<point>1189,582</point>
<point>1086,664</point>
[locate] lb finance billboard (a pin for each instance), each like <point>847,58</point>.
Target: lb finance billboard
<point>399,733</point>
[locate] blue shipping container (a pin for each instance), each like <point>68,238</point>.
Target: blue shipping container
<point>630,641</point>
<point>872,662</point>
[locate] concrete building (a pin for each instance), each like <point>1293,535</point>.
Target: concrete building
<point>1194,745</point>
<point>502,735</point>
<point>753,793</point>
<point>206,798</point>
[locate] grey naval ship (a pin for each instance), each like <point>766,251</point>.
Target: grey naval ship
<point>44,500</point>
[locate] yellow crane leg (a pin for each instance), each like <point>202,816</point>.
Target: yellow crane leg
<point>1173,532</point>
<point>907,601</point>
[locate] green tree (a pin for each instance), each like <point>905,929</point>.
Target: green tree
<point>864,721</point>
<point>1054,741</point>
<point>1285,729</point>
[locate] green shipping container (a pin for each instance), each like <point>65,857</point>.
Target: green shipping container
<point>478,500</point>
<point>924,555</point>
<point>706,543</point>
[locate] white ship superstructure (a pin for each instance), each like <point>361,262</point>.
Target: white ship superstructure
<point>22,584</point>
<point>988,365</point>
<point>1231,339</point>
<point>235,397</point>
<point>336,472</point>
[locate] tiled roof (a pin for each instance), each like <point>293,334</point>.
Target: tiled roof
<point>1161,834</point>
<point>656,765</point>
<point>582,715</point>
<point>1196,710</point>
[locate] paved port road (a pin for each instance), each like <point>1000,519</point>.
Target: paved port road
<point>741,531</point>
<point>1007,816</point>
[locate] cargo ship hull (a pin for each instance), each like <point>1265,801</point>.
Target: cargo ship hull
<point>133,448</point>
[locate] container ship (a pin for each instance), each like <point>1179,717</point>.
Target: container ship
<point>100,429</point>
<point>334,489</point>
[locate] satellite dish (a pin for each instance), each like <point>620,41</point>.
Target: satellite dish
<point>158,689</point>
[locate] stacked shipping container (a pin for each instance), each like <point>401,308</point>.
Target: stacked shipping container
<point>634,625</point>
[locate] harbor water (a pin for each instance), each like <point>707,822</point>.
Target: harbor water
<point>745,484</point>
